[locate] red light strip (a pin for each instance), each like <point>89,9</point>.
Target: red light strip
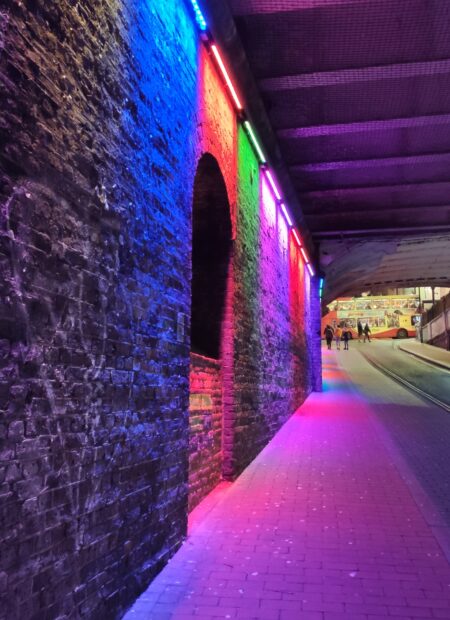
<point>297,238</point>
<point>304,254</point>
<point>240,108</point>
<point>226,77</point>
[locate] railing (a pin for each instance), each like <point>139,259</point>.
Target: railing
<point>435,324</point>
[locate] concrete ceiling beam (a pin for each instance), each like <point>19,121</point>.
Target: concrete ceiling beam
<point>342,77</point>
<point>266,7</point>
<point>380,231</point>
<point>351,192</point>
<point>364,126</point>
<point>311,211</point>
<point>379,162</point>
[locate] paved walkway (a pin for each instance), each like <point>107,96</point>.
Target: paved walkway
<point>427,352</point>
<point>321,526</point>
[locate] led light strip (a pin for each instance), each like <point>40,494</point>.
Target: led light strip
<point>321,282</point>
<point>207,38</point>
<point>199,18</point>
<point>286,215</point>
<point>296,237</point>
<point>272,184</point>
<point>226,77</point>
<point>254,141</point>
<point>305,256</point>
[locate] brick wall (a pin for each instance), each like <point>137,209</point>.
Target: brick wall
<point>272,363</point>
<point>96,178</point>
<point>97,170</point>
<point>313,322</point>
<point>205,422</point>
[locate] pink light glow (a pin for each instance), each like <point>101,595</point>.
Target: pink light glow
<point>286,214</point>
<point>227,79</point>
<point>283,235</point>
<point>273,185</point>
<point>310,269</point>
<point>269,206</point>
<point>305,255</point>
<point>297,238</point>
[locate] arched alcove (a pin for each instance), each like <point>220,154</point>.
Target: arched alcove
<point>211,244</point>
<point>211,253</point>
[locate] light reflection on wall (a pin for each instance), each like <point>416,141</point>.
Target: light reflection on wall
<point>268,207</point>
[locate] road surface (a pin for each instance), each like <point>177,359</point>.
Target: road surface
<point>430,379</point>
<point>419,429</point>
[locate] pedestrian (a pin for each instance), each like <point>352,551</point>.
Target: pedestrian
<point>328,333</point>
<point>367,332</point>
<point>337,337</point>
<point>360,330</point>
<point>346,337</point>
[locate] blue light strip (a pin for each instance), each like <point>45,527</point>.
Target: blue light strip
<point>321,281</point>
<point>199,18</point>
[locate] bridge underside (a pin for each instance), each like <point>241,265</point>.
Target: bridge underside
<point>358,95</point>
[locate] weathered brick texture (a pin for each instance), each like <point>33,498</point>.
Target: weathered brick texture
<point>96,162</point>
<point>205,421</point>
<point>107,106</point>
<point>273,336</point>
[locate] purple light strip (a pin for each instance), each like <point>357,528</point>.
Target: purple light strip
<point>286,214</point>
<point>272,184</point>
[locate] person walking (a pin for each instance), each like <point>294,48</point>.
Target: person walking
<point>337,337</point>
<point>328,333</point>
<point>367,332</point>
<point>346,337</point>
<point>360,330</point>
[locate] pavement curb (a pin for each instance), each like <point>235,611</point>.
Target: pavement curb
<point>425,358</point>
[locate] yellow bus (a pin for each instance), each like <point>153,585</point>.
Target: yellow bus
<point>388,316</point>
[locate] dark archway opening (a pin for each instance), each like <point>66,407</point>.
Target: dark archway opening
<point>211,257</point>
<point>211,246</point>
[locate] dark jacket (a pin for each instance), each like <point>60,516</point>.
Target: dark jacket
<point>328,333</point>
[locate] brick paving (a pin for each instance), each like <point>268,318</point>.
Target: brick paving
<point>321,526</point>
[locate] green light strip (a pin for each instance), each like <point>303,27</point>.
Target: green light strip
<point>256,146</point>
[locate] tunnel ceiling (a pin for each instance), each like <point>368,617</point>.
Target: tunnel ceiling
<point>358,94</point>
